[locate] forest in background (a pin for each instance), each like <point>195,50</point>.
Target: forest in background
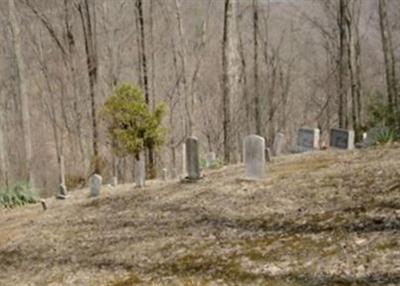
<point>224,68</point>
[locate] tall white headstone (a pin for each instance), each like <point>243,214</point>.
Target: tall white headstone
<point>254,157</point>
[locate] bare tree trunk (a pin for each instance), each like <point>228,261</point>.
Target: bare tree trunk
<point>183,56</point>
<point>354,65</point>
<point>22,91</point>
<point>75,136</point>
<point>243,79</point>
<point>152,55</point>
<point>151,170</point>
<point>390,64</point>
<point>357,50</point>
<point>348,22</point>
<point>230,74</point>
<point>88,21</point>
<point>50,106</point>
<point>257,99</point>
<point>342,113</point>
<point>139,8</point>
<point>3,165</point>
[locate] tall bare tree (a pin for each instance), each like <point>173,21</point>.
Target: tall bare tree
<point>342,113</point>
<point>22,89</point>
<point>390,62</point>
<point>88,21</point>
<point>258,106</point>
<point>231,73</point>
<point>143,72</point>
<point>354,63</point>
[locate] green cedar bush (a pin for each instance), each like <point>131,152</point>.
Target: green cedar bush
<point>132,126</point>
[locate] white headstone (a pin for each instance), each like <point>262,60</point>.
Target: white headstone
<point>254,157</point>
<point>95,185</point>
<point>341,138</point>
<point>164,174</point>
<point>114,181</point>
<point>279,144</point>
<point>192,158</point>
<point>364,135</point>
<point>140,171</point>
<point>211,159</point>
<point>307,139</point>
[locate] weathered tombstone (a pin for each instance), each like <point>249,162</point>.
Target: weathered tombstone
<point>254,157</point>
<point>140,171</point>
<point>268,156</point>
<point>164,174</point>
<point>114,181</point>
<point>183,161</point>
<point>341,138</point>
<point>307,139</point>
<point>192,158</point>
<point>173,173</point>
<point>211,159</point>
<point>95,185</point>
<point>279,144</point>
<point>62,192</point>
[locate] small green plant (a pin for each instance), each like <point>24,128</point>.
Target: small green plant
<point>386,136</point>
<point>215,164</point>
<point>381,114</point>
<point>18,195</point>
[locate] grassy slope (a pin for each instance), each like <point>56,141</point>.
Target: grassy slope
<point>329,218</point>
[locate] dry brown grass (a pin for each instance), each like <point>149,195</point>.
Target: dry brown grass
<point>328,218</point>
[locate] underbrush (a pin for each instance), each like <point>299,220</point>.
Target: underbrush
<point>18,195</point>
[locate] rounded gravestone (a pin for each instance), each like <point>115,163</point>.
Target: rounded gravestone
<point>164,174</point>
<point>279,143</point>
<point>192,158</point>
<point>95,185</point>
<point>254,157</point>
<point>114,181</point>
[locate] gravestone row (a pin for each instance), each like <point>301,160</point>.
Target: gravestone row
<point>255,155</point>
<point>308,139</point>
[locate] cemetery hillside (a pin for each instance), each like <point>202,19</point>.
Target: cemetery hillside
<point>321,218</point>
<point>199,142</point>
